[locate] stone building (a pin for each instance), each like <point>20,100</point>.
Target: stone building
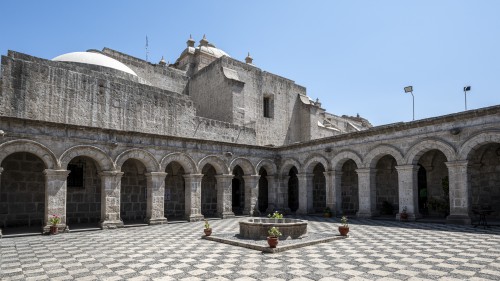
<point>105,138</point>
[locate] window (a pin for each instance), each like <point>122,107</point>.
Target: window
<point>75,177</point>
<point>267,107</point>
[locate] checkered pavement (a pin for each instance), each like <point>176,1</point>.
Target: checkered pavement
<point>375,250</point>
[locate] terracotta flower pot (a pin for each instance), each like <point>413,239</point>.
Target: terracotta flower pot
<point>327,215</point>
<point>272,241</point>
<point>403,216</point>
<point>208,231</point>
<point>53,229</point>
<point>343,230</point>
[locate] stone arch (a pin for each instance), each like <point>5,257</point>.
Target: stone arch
<point>423,146</point>
<point>340,158</point>
<point>104,162</point>
<point>219,165</point>
<point>313,160</point>
<point>29,146</point>
<point>379,151</point>
<point>287,164</point>
<point>245,164</point>
<point>184,160</point>
<point>268,165</point>
<point>476,141</point>
<point>141,155</point>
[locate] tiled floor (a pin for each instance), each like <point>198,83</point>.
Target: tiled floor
<point>375,250</point>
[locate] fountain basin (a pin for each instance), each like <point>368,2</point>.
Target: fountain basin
<point>258,228</point>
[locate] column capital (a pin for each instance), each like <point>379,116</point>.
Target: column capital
<point>251,177</point>
<point>56,173</point>
<point>110,173</point>
<point>407,167</point>
<point>156,174</point>
<point>459,163</point>
<point>366,171</point>
<point>193,176</point>
<point>224,176</point>
<point>304,175</point>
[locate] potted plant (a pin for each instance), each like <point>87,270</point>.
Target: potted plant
<point>327,213</point>
<point>403,216</point>
<point>272,239</point>
<point>54,220</point>
<point>275,215</point>
<point>208,229</point>
<point>344,228</point>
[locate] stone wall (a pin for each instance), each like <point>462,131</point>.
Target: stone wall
<point>485,178</point>
<point>209,192</point>
<point>84,203</point>
<point>163,77</point>
<point>387,184</point>
<point>349,188</point>
<point>133,192</point>
<point>319,189</point>
<point>174,191</point>
<point>22,191</point>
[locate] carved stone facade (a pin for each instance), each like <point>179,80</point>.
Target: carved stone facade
<point>139,163</point>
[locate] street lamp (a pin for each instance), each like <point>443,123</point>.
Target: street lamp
<point>466,89</point>
<point>409,89</point>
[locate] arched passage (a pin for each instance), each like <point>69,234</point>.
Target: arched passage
<point>349,188</point>
<point>238,191</point>
<point>484,170</point>
<point>22,192</point>
<point>293,190</point>
<point>432,183</point>
<point>175,200</point>
<point>83,200</point>
<point>208,191</point>
<point>386,184</point>
<point>263,199</point>
<point>318,189</point>
<point>133,201</point>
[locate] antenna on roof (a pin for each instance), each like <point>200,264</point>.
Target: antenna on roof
<point>147,48</point>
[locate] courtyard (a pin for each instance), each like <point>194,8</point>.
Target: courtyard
<point>375,249</point>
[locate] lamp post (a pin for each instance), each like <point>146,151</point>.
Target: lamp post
<point>466,89</point>
<point>409,89</point>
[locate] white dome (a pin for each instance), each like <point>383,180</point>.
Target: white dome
<point>95,59</point>
<point>212,50</point>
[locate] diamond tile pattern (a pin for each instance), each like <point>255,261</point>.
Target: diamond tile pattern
<point>375,250</point>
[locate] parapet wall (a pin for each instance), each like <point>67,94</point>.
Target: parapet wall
<point>94,96</point>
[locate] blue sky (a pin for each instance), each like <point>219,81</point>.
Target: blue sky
<point>355,56</point>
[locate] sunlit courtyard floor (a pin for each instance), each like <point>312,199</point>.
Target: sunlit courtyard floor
<point>375,250</point>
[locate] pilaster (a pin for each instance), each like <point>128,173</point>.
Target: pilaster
<point>305,193</point>
<point>408,191</point>
<point>272,192</point>
<point>459,192</point>
<point>55,197</point>
<point>251,195</point>
<point>367,192</point>
<point>334,191</point>
<point>193,197</point>
<point>110,199</point>
<point>155,212</point>
<point>224,196</point>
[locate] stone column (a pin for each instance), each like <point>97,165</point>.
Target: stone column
<point>459,192</point>
<point>110,199</point>
<point>367,192</point>
<point>193,197</point>
<point>282,193</point>
<point>334,191</point>
<point>224,196</point>
<point>272,192</point>
<point>55,197</point>
<point>305,193</point>
<point>251,195</point>
<point>155,212</point>
<point>408,191</point>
